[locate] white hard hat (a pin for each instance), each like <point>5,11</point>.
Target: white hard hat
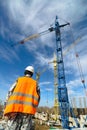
<point>30,68</point>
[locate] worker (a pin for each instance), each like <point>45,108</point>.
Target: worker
<point>22,100</point>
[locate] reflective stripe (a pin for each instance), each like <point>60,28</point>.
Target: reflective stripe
<point>25,95</point>
<point>21,102</point>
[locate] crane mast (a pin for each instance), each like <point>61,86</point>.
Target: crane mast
<point>56,105</point>
<point>62,90</point>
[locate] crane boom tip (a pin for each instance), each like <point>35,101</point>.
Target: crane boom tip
<point>21,42</point>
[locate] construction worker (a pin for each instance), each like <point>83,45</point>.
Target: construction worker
<point>22,101</point>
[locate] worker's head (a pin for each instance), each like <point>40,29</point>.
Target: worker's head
<point>29,70</point>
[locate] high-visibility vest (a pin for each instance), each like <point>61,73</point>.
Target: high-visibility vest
<point>24,97</point>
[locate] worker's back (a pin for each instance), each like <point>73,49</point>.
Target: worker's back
<point>24,97</point>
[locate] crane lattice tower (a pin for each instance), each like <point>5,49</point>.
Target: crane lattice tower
<point>62,89</point>
<point>55,85</point>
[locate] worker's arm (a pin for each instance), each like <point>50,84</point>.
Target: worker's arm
<point>38,92</point>
<point>11,91</point>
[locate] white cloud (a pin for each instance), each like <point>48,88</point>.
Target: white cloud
<point>26,13</point>
<point>8,53</point>
<point>49,89</point>
<point>74,84</point>
<point>44,83</point>
<point>76,88</point>
<point>42,59</point>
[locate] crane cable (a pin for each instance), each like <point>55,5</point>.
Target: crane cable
<point>79,66</point>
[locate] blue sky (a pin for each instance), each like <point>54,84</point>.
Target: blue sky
<point>22,18</point>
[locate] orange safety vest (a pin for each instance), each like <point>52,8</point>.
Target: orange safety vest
<point>24,97</point>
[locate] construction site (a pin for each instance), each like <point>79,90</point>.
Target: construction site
<point>64,114</point>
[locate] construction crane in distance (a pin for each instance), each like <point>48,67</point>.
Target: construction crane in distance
<point>56,104</point>
<point>78,61</point>
<point>81,73</point>
<point>38,73</point>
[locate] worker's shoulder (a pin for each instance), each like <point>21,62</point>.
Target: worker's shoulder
<point>33,80</point>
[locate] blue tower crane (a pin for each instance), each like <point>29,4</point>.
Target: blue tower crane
<point>62,89</point>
